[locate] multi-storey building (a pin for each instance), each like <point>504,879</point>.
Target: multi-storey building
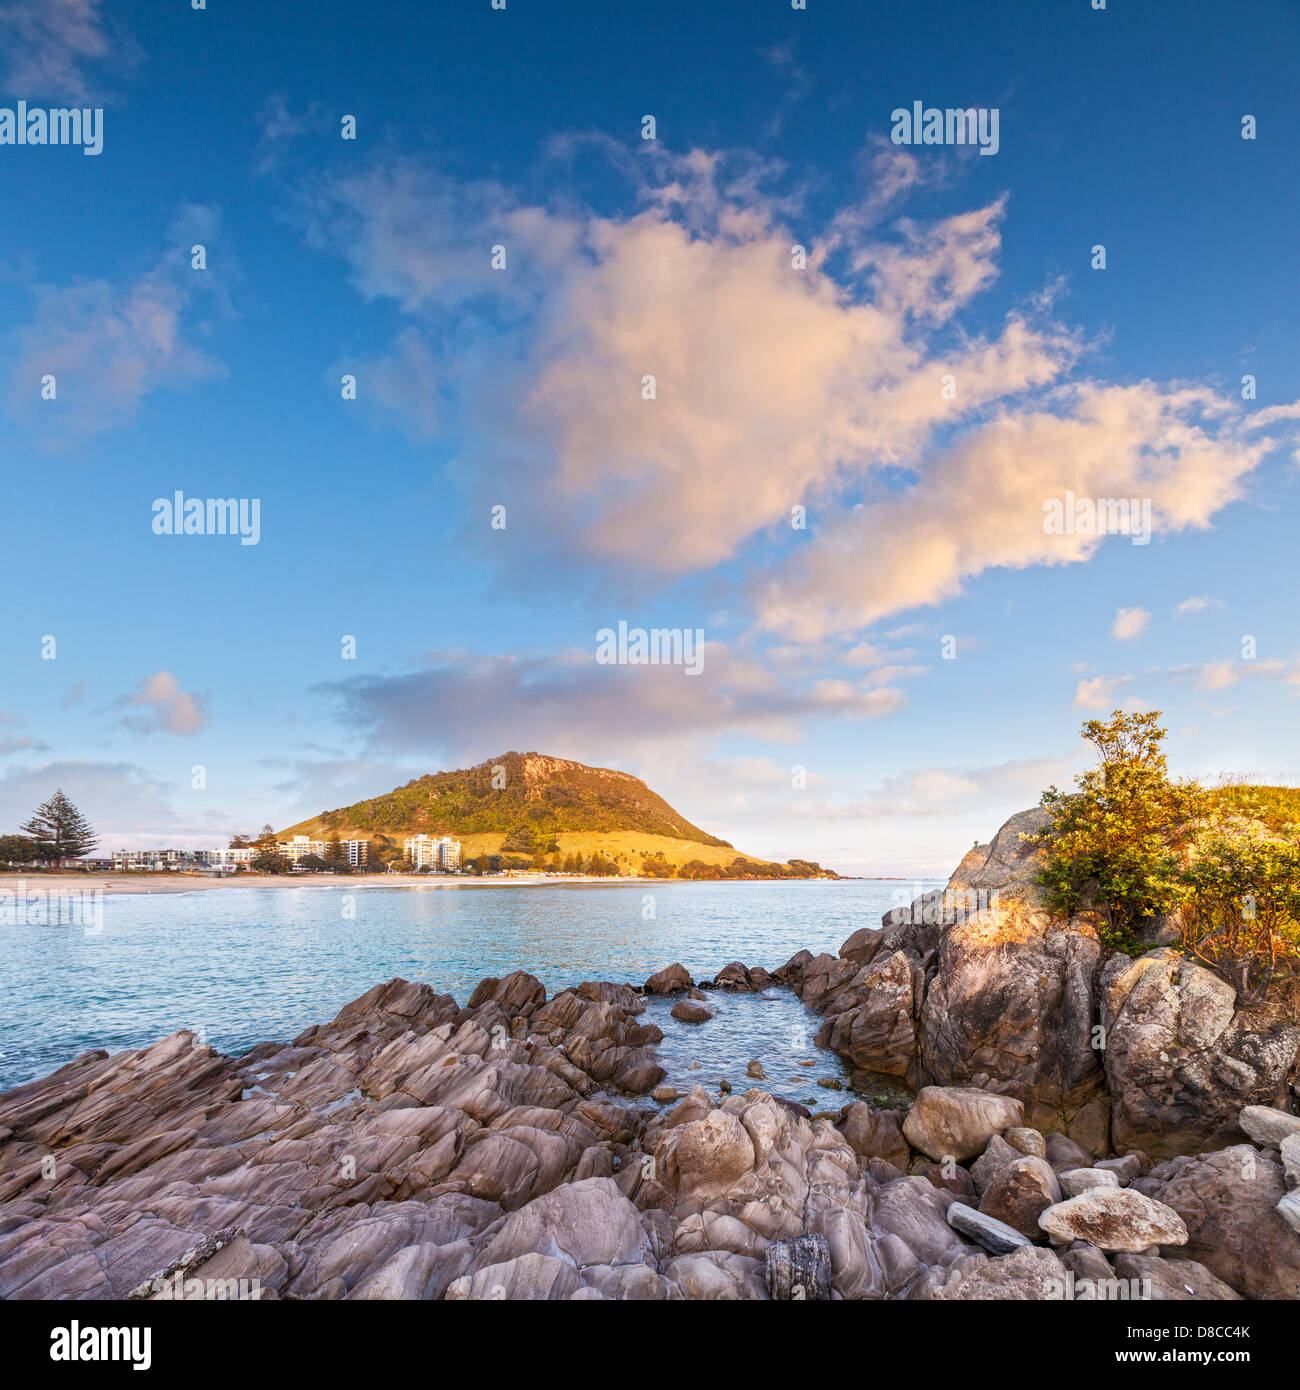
<point>424,852</point>
<point>227,858</point>
<point>301,846</point>
<point>357,852</point>
<point>156,860</point>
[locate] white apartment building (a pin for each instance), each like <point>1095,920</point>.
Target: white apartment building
<point>301,846</point>
<point>226,858</point>
<point>156,860</point>
<point>357,852</point>
<point>424,852</point>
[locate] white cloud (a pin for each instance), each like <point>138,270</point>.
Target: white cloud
<point>165,706</point>
<point>1198,603</point>
<point>49,44</point>
<point>109,346</point>
<point>1129,623</point>
<point>774,386</point>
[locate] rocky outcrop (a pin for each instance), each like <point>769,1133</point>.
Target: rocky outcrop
<point>1182,1059</point>
<point>981,985</point>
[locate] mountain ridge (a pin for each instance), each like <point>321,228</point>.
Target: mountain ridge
<point>529,793</point>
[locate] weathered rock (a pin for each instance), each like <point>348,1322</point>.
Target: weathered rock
<point>799,1269</point>
<point>1288,1208</point>
<point>689,1012</point>
<point>1177,1280</point>
<point>1267,1125</point>
<point>1011,996</point>
<point>1075,1181</point>
<point>991,1162</point>
<point>733,976</point>
<point>1114,1219</point>
<point>1026,1141</point>
<point>874,1133</point>
<point>1290,1153</point>
<point>529,1277</point>
<point>957,1121</point>
<point>1019,1193</point>
<point>1063,1152</point>
<point>1228,1201</point>
<point>878,1030</point>
<point>1125,1168</point>
<point>1182,1059</point>
<point>1030,1274</point>
<point>672,979</point>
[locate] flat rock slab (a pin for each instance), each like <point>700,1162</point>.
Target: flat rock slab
<point>995,1236</point>
<point>1114,1219</point>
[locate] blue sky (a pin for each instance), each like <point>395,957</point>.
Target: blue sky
<point>777,387</point>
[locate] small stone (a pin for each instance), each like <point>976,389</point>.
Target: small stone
<point>1026,1141</point>
<point>1075,1181</point>
<point>665,1093</point>
<point>755,1069</point>
<point>1125,1169</point>
<point>830,1083</point>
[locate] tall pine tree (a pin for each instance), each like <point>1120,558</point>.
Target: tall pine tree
<point>60,826</point>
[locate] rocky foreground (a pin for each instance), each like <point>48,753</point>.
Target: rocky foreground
<point>1081,1129</point>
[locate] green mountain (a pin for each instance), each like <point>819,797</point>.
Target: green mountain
<point>534,798</point>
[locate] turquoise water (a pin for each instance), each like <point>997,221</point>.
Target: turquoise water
<point>241,965</point>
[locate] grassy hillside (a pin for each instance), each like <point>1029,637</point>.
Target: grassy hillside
<point>1275,806</point>
<point>548,813</point>
<point>538,798</point>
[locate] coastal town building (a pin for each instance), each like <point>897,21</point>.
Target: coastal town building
<point>156,860</point>
<point>357,852</point>
<point>227,859</point>
<point>300,847</point>
<point>425,852</point>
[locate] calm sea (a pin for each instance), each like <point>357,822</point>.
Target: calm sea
<point>238,966</point>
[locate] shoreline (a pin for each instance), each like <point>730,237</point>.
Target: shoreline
<point>171,884</point>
